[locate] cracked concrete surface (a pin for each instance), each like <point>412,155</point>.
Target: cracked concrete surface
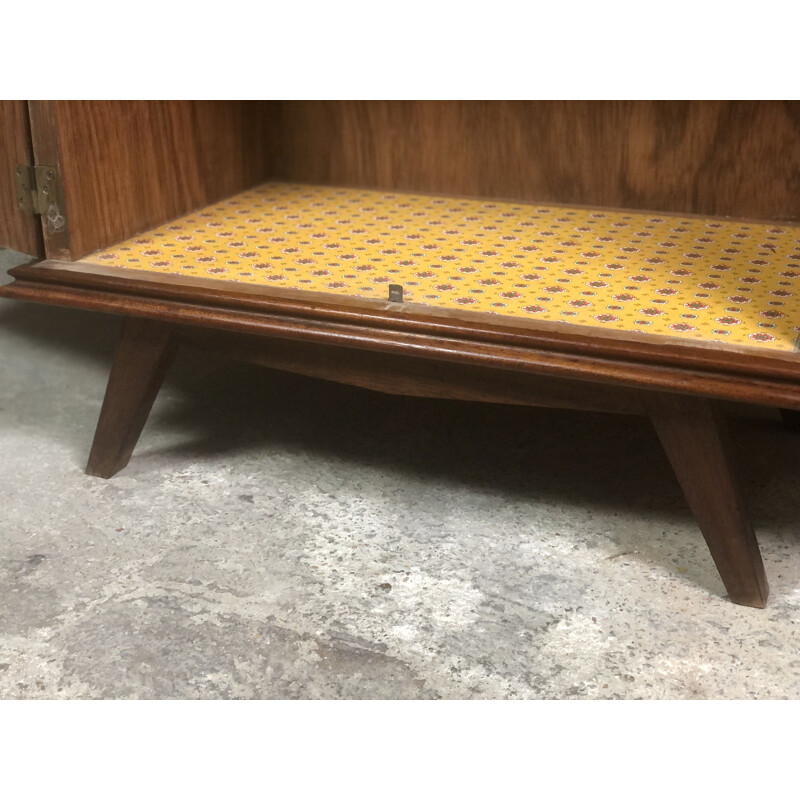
<point>280,537</point>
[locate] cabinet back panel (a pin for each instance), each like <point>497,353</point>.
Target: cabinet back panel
<point>130,165</point>
<point>736,158</point>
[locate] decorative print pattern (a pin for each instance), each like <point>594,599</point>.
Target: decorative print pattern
<point>704,279</point>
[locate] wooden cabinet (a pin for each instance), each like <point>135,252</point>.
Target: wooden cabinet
<point>632,257</point>
<point>129,166</point>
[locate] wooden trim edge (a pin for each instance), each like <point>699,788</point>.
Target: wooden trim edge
<point>457,344</point>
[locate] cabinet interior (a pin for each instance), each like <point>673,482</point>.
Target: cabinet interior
<point>127,167</point>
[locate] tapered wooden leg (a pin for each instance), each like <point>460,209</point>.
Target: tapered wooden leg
<point>791,419</point>
<point>695,438</point>
<point>143,356</point>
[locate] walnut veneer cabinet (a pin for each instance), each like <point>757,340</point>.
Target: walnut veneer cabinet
<point>627,257</point>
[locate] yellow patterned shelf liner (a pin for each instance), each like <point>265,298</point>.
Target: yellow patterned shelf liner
<point>712,280</point>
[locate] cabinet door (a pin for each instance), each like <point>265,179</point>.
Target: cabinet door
<point>126,166</point>
<point>19,230</point>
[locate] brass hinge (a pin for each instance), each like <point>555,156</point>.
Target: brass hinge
<point>38,192</point>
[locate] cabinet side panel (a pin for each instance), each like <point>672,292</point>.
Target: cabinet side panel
<point>18,230</point>
<point>736,158</point>
<point>128,166</point>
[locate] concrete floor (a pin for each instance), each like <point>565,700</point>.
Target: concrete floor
<point>280,537</point>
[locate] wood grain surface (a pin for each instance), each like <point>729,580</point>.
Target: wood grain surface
<point>142,359</point>
<point>47,152</point>
<point>130,165</point>
<point>737,158</point>
<point>413,318</point>
<point>656,363</point>
<point>414,377</point>
<point>18,230</point>
<point>695,439</point>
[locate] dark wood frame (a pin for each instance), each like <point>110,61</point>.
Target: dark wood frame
<point>723,372</point>
<point>413,350</point>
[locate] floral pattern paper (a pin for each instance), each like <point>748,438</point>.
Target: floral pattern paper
<point>711,279</point>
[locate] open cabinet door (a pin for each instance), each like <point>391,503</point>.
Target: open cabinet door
<point>126,166</point>
<point>19,230</point>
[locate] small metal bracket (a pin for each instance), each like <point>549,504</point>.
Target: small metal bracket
<point>38,192</point>
<point>395,293</point>
<point>25,182</point>
<point>46,188</point>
